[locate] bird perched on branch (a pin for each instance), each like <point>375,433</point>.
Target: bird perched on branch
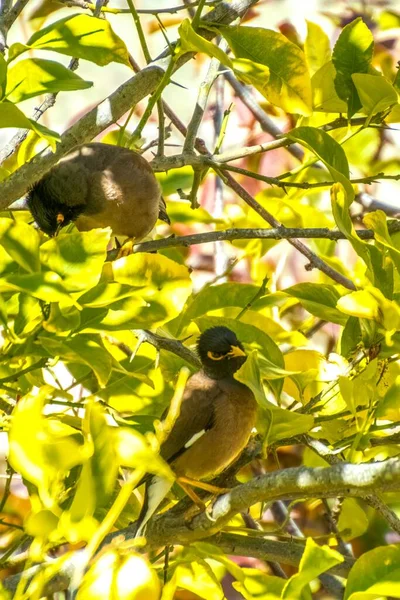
<point>99,185</point>
<point>217,415</point>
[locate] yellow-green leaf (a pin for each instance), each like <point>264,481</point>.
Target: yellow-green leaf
<point>34,76</point>
<point>325,98</point>
<point>77,258</point>
<point>315,560</point>
<point>82,36</point>
<point>376,93</point>
<point>376,574</point>
<point>317,48</point>
<point>289,85</point>
<point>352,54</point>
<point>21,242</point>
<point>12,116</point>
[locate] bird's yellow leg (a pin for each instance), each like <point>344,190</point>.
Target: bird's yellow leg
<point>127,248</point>
<point>202,485</point>
<point>192,495</point>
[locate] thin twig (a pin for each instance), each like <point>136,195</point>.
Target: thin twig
<point>244,93</point>
<point>315,261</point>
<point>274,233</point>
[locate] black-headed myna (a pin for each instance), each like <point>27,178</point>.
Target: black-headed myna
<point>217,415</point>
<point>99,185</point>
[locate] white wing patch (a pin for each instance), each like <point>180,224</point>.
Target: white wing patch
<point>194,438</point>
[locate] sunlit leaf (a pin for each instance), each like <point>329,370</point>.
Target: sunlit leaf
<point>352,54</point>
<point>376,574</point>
<point>317,48</point>
<point>289,84</point>
<point>21,242</point>
<point>41,450</point>
<point>34,76</point>
<point>353,521</point>
<point>376,93</point>
<point>341,201</point>
<point>249,71</point>
<point>104,458</point>
<point>315,560</point>
<point>12,116</point>
<point>122,576</point>
<point>81,36</point>
<point>85,349</point>
<point>77,258</point>
<point>325,97</point>
<point>319,299</point>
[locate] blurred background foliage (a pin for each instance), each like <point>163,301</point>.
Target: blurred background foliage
<point>81,387</point>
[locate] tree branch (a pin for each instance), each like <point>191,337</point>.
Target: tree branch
<point>315,261</point>
<point>347,480</point>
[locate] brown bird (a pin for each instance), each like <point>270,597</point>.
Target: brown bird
<point>216,418</point>
<point>99,185</point>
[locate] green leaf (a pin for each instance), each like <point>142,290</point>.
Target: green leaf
<point>11,116</point>
<point>62,319</point>
<point>325,98</point>
<point>134,452</point>
<point>219,296</point>
<point>197,577</point>
<point>42,450</point>
<point>104,458</point>
<point>376,93</point>
<point>315,560</point>
<point>319,299</point>
<point>325,148</point>
<point>377,221</point>
<point>289,85</point>
<point>118,575</point>
<point>85,349</point>
<point>34,76</point>
<point>257,585</point>
<point>3,75</point>
<point>162,288</point>
<point>249,71</point>
<point>389,407</point>
<point>82,36</point>
<point>78,258</point>
<point>317,48</point>
<point>353,522</point>
<point>370,303</point>
<point>21,242</point>
<point>370,254</point>
<point>45,286</point>
<point>351,337</point>
<point>376,574</point>
<point>352,54</point>
<point>274,423</point>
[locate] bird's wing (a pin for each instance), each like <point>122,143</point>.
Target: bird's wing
<point>195,418</point>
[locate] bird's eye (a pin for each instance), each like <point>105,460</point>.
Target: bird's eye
<point>216,355</point>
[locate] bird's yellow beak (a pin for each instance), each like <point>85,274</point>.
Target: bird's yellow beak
<point>236,351</point>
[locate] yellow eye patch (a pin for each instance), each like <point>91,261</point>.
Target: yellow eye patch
<point>216,355</point>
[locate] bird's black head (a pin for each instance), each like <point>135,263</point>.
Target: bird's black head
<point>48,211</point>
<point>220,352</point>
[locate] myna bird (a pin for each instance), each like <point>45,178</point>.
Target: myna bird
<point>99,185</point>
<point>217,415</point>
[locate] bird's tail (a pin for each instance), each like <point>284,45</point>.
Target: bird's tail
<point>156,490</point>
<point>163,215</point>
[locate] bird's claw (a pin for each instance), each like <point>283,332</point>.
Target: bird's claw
<point>126,249</point>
